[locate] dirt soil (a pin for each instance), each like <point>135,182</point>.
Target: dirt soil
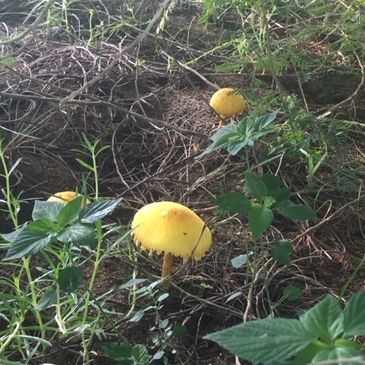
<point>149,161</point>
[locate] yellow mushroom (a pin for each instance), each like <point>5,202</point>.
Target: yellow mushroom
<point>65,196</point>
<point>227,103</point>
<point>173,229</point>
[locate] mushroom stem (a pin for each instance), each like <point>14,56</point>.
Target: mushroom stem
<point>222,122</point>
<point>168,260</point>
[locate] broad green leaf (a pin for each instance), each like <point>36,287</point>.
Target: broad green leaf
<point>269,201</point>
<point>70,278</point>
<point>27,242</point>
<point>234,202</point>
<point>354,315</point>
<point>255,186</point>
<point>280,194</point>
<point>271,181</point>
<point>98,210</point>
<point>292,292</point>
<point>43,225</point>
<point>235,147</point>
<point>295,211</point>
<point>264,340</point>
<point>259,219</point>
<point>322,319</point>
<point>44,209</point>
<point>49,298</point>
<point>79,234</point>
<point>221,139</point>
<point>70,212</point>
<point>341,352</point>
<point>265,120</point>
<point>117,351</point>
<point>281,251</point>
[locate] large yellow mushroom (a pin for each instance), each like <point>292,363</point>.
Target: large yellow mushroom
<point>66,196</point>
<point>227,103</point>
<point>173,229</point>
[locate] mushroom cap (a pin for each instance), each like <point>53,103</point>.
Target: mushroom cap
<point>64,197</point>
<point>171,228</point>
<point>227,103</point>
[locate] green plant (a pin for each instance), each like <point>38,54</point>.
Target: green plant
<point>235,137</point>
<point>266,197</point>
<point>324,332</point>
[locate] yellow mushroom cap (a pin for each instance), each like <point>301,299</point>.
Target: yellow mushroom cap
<point>64,197</point>
<point>171,228</point>
<point>227,103</point>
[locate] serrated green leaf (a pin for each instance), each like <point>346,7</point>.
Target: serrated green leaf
<point>70,212</point>
<point>79,234</point>
<point>233,202</point>
<point>259,219</point>
<point>281,251</point>
<point>70,278</point>
<point>322,319</point>
<point>45,209</point>
<point>337,353</point>
<point>265,120</point>
<point>295,211</point>
<point>27,242</point>
<point>264,341</point>
<point>354,315</point>
<point>98,210</point>
<point>255,186</point>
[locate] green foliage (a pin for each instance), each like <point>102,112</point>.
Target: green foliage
<point>235,137</point>
<point>55,222</point>
<point>281,251</point>
<point>267,197</point>
<point>324,332</point>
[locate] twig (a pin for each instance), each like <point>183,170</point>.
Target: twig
<point>30,28</point>
<point>352,96</point>
<point>118,56</point>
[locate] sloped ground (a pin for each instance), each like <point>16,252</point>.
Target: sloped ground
<point>156,121</point>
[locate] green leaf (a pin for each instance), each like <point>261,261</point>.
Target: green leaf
<point>354,315</point>
<point>6,61</point>
<point>281,251</point>
<point>140,355</point>
<point>292,292</point>
<point>117,351</point>
<point>255,186</point>
<point>79,234</point>
<point>43,225</point>
<point>239,261</point>
<point>259,219</point>
<point>264,340</point>
<point>233,202</point>
<point>70,212</point>
<point>271,181</point>
<point>49,298</point>
<point>221,139</point>
<point>265,120</point>
<point>295,211</point>
<point>98,210</point>
<point>179,331</point>
<point>27,242</point>
<point>48,210</point>
<point>337,353</point>
<point>70,278</point>
<point>322,319</point>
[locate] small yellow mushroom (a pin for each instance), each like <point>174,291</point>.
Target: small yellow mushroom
<point>66,196</point>
<point>173,229</point>
<point>227,103</point>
